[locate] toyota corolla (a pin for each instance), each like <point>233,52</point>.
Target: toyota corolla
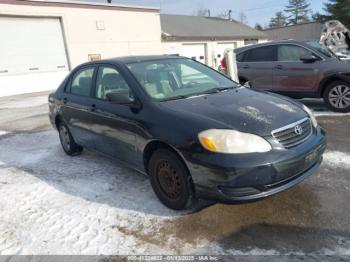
<point>193,131</point>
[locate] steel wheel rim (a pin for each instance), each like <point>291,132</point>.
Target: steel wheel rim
<point>65,139</point>
<point>169,180</point>
<point>339,96</point>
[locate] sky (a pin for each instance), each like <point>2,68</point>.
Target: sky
<point>257,11</point>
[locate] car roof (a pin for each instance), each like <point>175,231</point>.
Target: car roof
<point>289,41</point>
<point>132,59</point>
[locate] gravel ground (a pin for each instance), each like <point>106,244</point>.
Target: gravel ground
<point>55,204</point>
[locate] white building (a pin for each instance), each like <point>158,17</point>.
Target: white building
<point>205,38</point>
<point>42,40</point>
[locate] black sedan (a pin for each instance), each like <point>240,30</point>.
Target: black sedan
<point>196,133</point>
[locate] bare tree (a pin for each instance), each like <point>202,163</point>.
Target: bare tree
<point>203,12</point>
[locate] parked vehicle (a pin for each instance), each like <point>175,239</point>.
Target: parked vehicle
<point>344,55</point>
<point>195,133</point>
<point>296,69</point>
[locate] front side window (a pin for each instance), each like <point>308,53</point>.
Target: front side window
<point>110,80</point>
<point>323,50</point>
<point>260,54</point>
<point>292,53</point>
<point>172,78</point>
<point>240,57</point>
<point>82,82</point>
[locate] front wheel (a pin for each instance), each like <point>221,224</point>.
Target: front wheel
<point>337,96</point>
<point>170,180</point>
<point>68,144</point>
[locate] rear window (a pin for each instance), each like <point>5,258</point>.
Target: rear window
<point>82,82</point>
<point>260,54</point>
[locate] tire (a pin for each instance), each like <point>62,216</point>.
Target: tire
<point>170,180</point>
<point>68,144</point>
<point>337,96</point>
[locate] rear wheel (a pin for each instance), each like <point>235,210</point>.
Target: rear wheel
<point>337,96</point>
<point>170,180</point>
<point>68,144</point>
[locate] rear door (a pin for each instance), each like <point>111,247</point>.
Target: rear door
<point>256,66</point>
<point>78,105</point>
<point>291,74</point>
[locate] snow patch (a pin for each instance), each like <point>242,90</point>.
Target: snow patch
<point>24,103</point>
<point>2,132</point>
<point>337,159</point>
<point>255,113</point>
<point>329,113</point>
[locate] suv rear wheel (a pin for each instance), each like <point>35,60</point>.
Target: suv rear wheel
<point>337,96</point>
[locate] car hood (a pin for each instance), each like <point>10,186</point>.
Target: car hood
<point>241,109</point>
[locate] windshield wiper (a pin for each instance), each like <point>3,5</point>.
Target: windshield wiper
<point>217,90</point>
<point>210,91</point>
<point>174,98</point>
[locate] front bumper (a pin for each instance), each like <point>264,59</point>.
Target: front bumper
<point>250,177</point>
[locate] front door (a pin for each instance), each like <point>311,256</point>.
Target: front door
<point>115,126</point>
<point>291,74</point>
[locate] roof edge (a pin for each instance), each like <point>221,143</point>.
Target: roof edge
<point>79,4</point>
<point>288,26</point>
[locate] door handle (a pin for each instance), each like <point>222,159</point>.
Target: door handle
<point>93,108</point>
<point>279,67</point>
<point>246,66</point>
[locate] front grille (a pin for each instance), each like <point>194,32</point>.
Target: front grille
<point>293,134</point>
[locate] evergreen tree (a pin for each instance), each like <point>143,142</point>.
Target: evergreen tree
<point>298,11</point>
<point>338,10</point>
<point>259,27</point>
<point>318,17</point>
<point>279,20</point>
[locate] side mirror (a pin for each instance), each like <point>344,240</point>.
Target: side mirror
<point>309,59</point>
<point>120,97</point>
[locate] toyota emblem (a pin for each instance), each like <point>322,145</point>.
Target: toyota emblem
<point>298,130</point>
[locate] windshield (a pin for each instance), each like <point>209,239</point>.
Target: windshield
<point>323,50</point>
<point>173,78</point>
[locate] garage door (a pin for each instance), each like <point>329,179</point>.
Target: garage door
<point>221,47</point>
<point>194,51</point>
<point>33,56</point>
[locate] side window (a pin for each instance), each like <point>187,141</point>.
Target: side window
<point>110,80</point>
<point>240,57</point>
<point>292,53</point>
<point>82,82</point>
<point>260,54</point>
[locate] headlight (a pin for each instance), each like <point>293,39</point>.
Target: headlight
<point>232,142</point>
<point>311,115</point>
